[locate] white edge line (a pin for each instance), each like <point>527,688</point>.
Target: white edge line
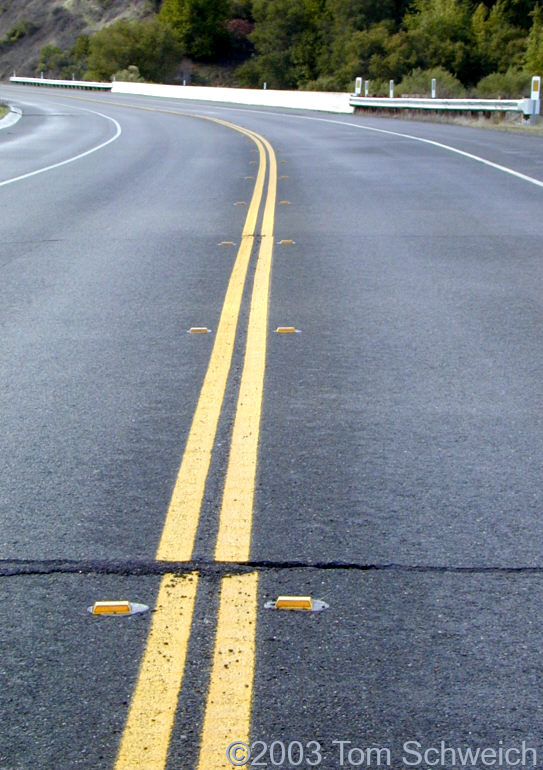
<point>477,158</point>
<point>118,132</point>
<point>505,169</point>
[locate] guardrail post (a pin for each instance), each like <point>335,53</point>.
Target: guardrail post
<point>535,97</point>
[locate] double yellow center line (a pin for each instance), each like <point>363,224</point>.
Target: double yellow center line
<point>152,711</point>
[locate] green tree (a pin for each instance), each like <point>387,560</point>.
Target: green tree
<point>157,51</point>
<point>534,46</point>
<point>52,60</point>
<point>151,46</point>
<point>440,33</point>
<point>200,26</point>
<point>79,53</point>
<point>520,12</point>
<point>288,42</point>
<point>498,44</point>
<point>111,49</point>
<point>340,22</point>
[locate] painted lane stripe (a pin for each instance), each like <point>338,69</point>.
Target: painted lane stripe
<point>118,132</point>
<point>235,523</point>
<point>440,145</point>
<point>228,708</point>
<point>181,522</point>
<point>177,544</point>
<point>152,710</point>
<point>147,732</point>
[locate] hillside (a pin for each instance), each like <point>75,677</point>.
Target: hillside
<point>27,25</point>
<point>485,47</point>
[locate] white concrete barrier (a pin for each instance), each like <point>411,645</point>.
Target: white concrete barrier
<point>301,100</point>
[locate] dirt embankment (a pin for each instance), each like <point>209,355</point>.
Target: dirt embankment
<point>27,25</point>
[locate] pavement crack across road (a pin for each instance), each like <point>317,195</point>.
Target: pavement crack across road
<point>136,568</point>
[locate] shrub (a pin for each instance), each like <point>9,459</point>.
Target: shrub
<point>129,75</point>
<point>419,82</point>
<point>22,28</point>
<point>513,84</point>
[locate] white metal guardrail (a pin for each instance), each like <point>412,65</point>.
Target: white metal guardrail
<point>529,107</point>
<point>525,106</point>
<point>62,83</point>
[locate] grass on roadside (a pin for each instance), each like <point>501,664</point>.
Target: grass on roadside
<point>3,110</point>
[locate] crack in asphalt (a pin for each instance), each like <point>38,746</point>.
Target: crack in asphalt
<point>135,568</point>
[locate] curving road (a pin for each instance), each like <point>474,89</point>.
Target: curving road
<point>386,459</point>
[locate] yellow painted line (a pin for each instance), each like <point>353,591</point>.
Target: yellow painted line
<point>235,524</point>
<point>151,715</point>
<point>181,522</point>
<point>228,708</point>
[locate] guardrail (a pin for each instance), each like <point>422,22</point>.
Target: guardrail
<point>309,100</point>
<point>528,107</point>
<point>87,84</point>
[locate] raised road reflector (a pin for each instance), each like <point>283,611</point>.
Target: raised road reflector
<point>227,243</point>
<point>111,608</point>
<point>286,241</point>
<point>300,603</point>
<point>118,608</point>
<point>240,203</point>
<point>283,176</point>
<point>284,203</point>
<point>249,177</point>
<point>287,330</point>
<point>294,603</point>
<point>199,330</point>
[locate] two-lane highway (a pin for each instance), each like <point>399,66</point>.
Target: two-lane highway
<point>384,458</point>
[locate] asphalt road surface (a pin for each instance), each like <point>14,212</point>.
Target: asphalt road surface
<point>384,458</point>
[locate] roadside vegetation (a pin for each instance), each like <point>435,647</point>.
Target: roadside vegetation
<point>3,110</point>
<point>487,49</point>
